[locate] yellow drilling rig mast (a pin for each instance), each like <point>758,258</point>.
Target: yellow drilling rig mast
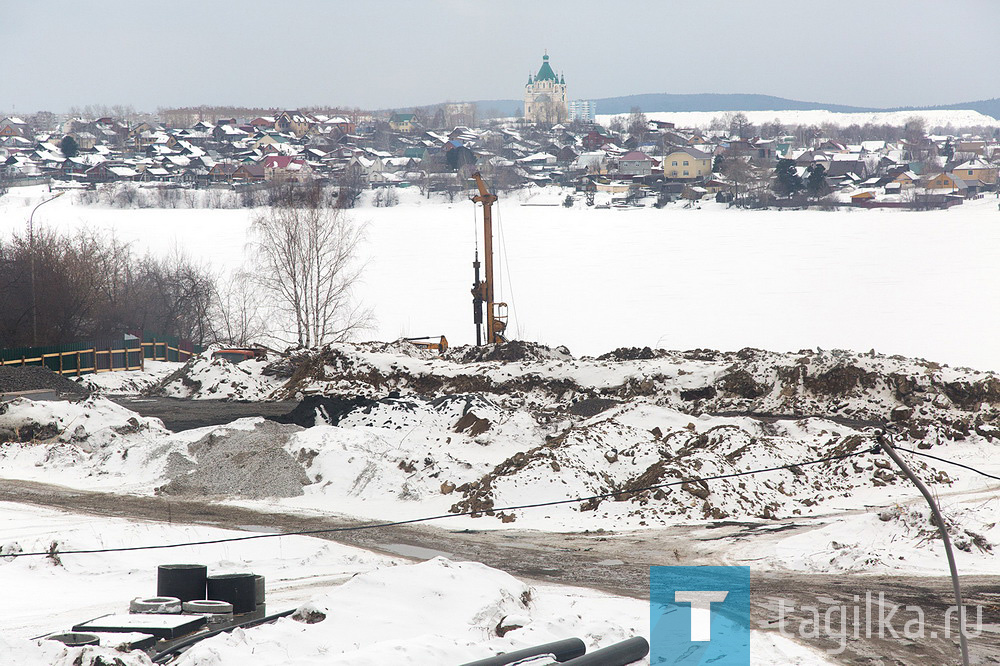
<point>482,290</point>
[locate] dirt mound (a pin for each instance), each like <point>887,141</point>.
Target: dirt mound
<point>629,354</point>
<point>237,462</point>
<point>33,378</point>
<point>508,352</point>
<point>321,409</point>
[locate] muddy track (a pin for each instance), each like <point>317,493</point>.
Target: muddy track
<point>613,562</point>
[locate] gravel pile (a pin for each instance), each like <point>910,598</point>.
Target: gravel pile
<point>249,464</point>
<point>33,378</point>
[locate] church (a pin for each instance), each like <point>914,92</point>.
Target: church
<point>545,96</point>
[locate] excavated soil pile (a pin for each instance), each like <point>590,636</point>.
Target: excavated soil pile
<point>508,352</point>
<point>320,409</point>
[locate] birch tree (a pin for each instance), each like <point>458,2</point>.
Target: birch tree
<point>306,260</point>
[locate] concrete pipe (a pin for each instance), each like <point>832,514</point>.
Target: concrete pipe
<point>170,605</point>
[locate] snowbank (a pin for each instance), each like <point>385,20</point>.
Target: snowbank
<point>132,382</point>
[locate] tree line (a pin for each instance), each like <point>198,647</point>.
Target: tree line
<point>297,287</point>
<point>57,288</point>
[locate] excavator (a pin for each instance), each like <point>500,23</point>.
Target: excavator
<point>482,290</point>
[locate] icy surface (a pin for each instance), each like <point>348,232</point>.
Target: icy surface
<point>917,284</point>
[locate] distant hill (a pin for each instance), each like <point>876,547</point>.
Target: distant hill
<point>987,107</point>
<point>725,102</point>
<point>714,102</point>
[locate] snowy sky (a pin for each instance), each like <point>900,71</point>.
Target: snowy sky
<point>397,53</point>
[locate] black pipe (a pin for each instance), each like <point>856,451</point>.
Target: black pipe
<point>563,650</point>
<point>477,302</point>
<point>165,655</point>
<point>619,654</point>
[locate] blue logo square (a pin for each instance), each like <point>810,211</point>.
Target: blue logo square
<point>699,615</point>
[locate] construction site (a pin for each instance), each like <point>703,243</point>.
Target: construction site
<point>511,497</point>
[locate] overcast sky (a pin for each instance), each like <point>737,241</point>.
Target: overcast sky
<point>399,53</point>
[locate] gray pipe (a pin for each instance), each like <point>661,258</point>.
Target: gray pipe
<point>884,441</point>
<point>619,654</point>
<point>563,650</point>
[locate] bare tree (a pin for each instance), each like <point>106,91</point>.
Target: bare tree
<point>741,125</point>
<point>237,314</point>
<point>306,260</point>
<point>638,125</point>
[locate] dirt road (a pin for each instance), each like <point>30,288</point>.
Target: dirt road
<point>614,562</point>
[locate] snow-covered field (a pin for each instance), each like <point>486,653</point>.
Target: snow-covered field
<point>933,117</point>
<point>917,284</point>
<point>375,608</point>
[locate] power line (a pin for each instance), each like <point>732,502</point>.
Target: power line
<point>949,462</point>
<point>397,523</point>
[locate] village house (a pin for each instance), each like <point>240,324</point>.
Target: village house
<point>687,163</point>
<point>946,182</point>
<point>977,169</point>
<point>402,122</point>
<point>294,122</point>
<point>635,163</point>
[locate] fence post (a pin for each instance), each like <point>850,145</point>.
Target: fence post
<point>78,363</point>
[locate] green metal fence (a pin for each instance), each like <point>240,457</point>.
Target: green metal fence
<point>167,348</point>
<point>81,358</point>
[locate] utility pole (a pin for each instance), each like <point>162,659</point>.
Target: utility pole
<point>883,441</point>
<point>31,251</point>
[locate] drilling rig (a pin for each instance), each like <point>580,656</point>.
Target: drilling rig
<point>482,290</point>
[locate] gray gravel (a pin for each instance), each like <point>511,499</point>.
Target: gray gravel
<point>33,378</point>
<point>248,464</point>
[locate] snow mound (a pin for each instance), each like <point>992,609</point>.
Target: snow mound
<point>435,612</point>
<point>89,425</point>
<point>53,653</point>
<point>899,539</point>
<point>204,378</point>
<point>91,437</point>
<point>131,382</point>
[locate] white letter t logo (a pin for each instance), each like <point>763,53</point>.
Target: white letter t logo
<point>701,611</point>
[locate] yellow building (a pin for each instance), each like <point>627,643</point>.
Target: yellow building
<point>946,181</point>
<point>687,163</point>
<point>976,170</point>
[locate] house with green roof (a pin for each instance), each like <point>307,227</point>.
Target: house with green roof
<point>402,122</point>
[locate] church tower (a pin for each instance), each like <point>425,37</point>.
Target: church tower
<point>545,96</point>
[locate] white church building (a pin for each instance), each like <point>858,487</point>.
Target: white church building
<point>545,96</point>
